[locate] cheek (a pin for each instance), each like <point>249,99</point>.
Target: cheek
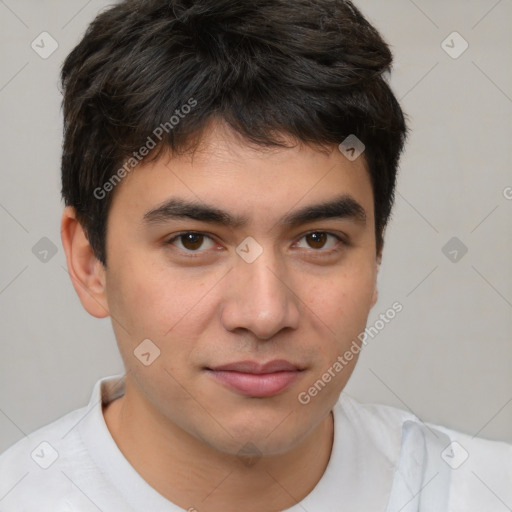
<point>342,301</point>
<point>172,309</point>
<point>152,299</point>
<point>135,300</point>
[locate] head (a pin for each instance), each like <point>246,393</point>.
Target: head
<point>210,209</point>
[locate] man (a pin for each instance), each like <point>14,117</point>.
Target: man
<point>228,171</point>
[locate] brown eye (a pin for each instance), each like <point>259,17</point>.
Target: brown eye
<point>320,241</point>
<point>192,241</point>
<point>316,240</point>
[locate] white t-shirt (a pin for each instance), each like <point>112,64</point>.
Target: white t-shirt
<point>383,459</point>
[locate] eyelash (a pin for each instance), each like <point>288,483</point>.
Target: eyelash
<point>317,252</point>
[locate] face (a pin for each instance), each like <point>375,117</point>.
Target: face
<point>247,285</point>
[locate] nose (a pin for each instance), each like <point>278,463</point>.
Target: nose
<point>259,299</point>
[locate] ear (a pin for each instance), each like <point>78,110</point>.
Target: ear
<point>86,271</point>
<point>375,289</point>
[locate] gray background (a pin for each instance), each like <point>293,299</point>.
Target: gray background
<point>447,356</point>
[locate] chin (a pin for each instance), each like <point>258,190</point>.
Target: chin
<point>253,447</point>
<point>273,434</point>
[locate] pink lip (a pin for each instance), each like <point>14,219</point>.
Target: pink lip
<point>257,380</point>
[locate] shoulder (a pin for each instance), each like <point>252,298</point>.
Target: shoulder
<point>54,469</point>
<point>380,425</point>
<point>36,466</point>
<point>39,448</point>
<point>479,470</point>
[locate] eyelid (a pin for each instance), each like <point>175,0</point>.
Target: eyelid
<point>340,238</point>
<point>170,241</point>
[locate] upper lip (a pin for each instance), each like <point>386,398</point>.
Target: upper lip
<point>278,365</point>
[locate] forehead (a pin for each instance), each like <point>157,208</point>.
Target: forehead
<point>225,171</point>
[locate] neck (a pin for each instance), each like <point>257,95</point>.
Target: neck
<point>193,475</point>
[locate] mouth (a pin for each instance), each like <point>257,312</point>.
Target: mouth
<point>257,380</point>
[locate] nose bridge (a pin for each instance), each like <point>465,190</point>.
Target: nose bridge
<point>258,297</point>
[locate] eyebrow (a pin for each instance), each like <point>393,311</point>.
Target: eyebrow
<point>341,207</point>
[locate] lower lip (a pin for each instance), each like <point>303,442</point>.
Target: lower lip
<point>256,385</point>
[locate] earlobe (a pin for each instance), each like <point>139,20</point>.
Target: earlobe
<point>375,289</point>
<point>375,296</point>
<point>86,272</point>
